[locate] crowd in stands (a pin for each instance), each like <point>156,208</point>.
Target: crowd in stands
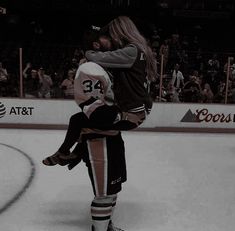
<point>189,73</point>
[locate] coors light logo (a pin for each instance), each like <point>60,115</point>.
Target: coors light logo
<point>203,115</point>
<point>2,110</point>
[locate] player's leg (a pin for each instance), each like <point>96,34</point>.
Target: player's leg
<point>101,206</point>
<point>106,177</point>
<point>117,171</point>
<point>101,211</point>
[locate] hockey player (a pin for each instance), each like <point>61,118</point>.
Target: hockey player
<point>102,151</point>
<point>133,61</point>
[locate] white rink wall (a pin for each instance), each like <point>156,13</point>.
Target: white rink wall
<point>35,113</point>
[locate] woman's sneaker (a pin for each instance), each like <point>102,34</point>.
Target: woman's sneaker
<point>55,159</point>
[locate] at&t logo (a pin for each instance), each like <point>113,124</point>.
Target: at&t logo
<point>2,110</point>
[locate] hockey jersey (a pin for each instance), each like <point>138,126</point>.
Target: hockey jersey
<point>92,83</point>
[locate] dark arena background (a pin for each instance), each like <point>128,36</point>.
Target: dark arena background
<point>63,21</point>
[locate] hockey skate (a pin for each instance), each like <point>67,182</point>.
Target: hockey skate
<point>111,227</point>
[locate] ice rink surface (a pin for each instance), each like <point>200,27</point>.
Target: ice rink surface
<point>176,182</point>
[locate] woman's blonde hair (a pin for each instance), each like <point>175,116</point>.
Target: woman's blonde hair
<point>123,31</point>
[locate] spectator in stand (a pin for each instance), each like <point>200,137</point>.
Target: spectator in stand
<point>192,90</point>
<point>3,80</point>
<point>232,69</point>
<point>207,94</point>
<point>45,83</point>
<point>31,82</point>
<point>213,64</point>
<point>155,40</point>
<point>154,89</point>
<point>220,94</point>
<point>164,50</point>
<point>56,90</point>
<point>27,70</point>
<point>213,67</point>
<point>184,62</point>
<point>177,78</point>
<point>233,72</point>
<point>172,95</point>
<point>174,50</point>
<point>68,85</point>
<point>198,61</point>
<point>78,54</point>
<point>74,64</point>
<point>233,92</point>
<point>32,85</point>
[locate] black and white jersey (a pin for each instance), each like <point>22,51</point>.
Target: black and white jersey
<point>92,81</point>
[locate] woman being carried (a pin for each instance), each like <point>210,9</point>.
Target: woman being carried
<point>133,67</point>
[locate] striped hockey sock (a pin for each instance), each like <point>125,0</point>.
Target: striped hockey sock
<point>101,210</point>
<point>114,203</point>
